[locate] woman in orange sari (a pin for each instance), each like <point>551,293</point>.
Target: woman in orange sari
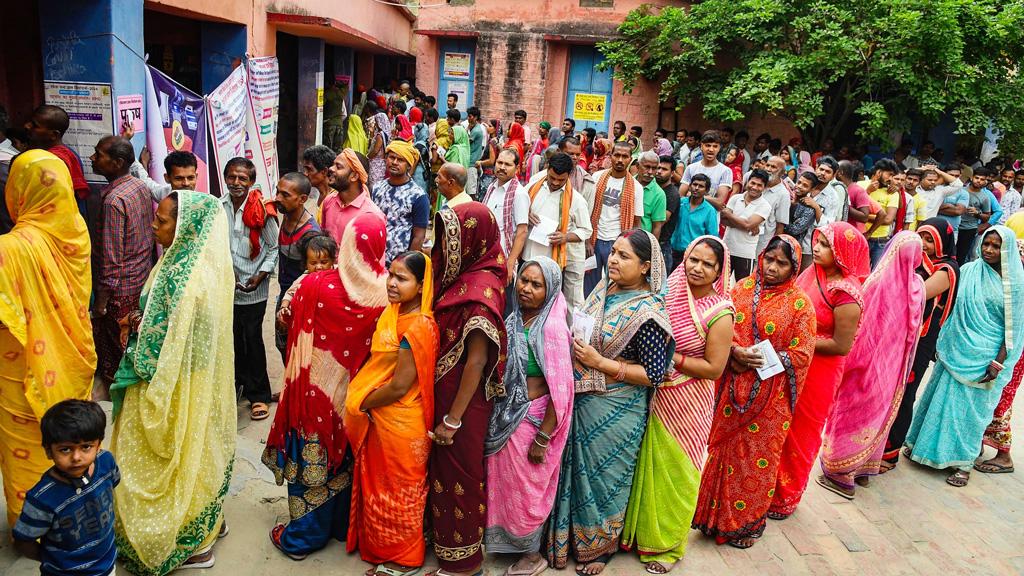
<point>388,411</point>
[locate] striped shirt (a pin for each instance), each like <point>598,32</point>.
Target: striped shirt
<point>127,233</point>
<point>246,267</point>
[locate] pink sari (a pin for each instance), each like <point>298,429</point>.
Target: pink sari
<point>878,366</point>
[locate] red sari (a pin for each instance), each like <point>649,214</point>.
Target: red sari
<point>804,440</point>
<point>752,417</point>
<point>470,279</point>
<point>516,140</point>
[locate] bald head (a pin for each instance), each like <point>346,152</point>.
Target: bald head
<point>451,179</point>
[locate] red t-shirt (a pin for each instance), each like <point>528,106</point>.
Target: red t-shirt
<point>74,165</point>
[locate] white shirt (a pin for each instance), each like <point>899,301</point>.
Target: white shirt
<point>778,198</point>
<point>608,225</point>
<point>1010,203</point>
<point>932,201</point>
<point>7,150</point>
<point>549,205</point>
<point>741,243</point>
<point>520,207</point>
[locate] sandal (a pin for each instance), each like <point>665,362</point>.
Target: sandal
<point>659,568</point>
<point>259,411</point>
<point>199,561</point>
<point>275,538</point>
<point>743,543</point>
<point>602,560</point>
<point>862,480</point>
<point>385,571</point>
<point>990,467</point>
<point>959,479</point>
<point>831,486</point>
<point>223,529</point>
<point>886,466</point>
<point>777,516</point>
<point>534,570</point>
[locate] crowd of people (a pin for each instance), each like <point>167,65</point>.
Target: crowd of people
<point>539,341</point>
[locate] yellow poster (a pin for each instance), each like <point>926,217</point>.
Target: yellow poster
<point>589,107</point>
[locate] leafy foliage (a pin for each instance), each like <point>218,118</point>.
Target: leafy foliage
<point>835,66</point>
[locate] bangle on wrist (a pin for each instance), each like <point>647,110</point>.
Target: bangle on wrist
<point>679,365</point>
<point>543,435</point>
<point>542,445</point>
<point>444,420</point>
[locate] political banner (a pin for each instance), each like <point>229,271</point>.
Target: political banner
<point>175,120</point>
<point>227,108</point>
<point>263,78</point>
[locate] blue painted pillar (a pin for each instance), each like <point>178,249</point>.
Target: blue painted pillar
<point>95,41</point>
<point>223,47</point>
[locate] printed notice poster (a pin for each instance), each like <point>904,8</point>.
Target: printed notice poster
<point>228,106</point>
<point>129,109</point>
<point>456,64</point>
<point>589,107</point>
<point>460,89</point>
<point>90,108</point>
<point>261,124</point>
<point>175,120</point>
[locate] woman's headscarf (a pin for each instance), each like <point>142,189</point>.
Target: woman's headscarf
<point>381,125</point>
<point>941,234</point>
<point>989,313</point>
<point>45,281</point>
<point>850,252</point>
<point>517,140</point>
<point>663,147</point>
<point>404,128</point>
<point>356,136</point>
<point>459,151</point>
<point>469,286</point>
<point>415,115</point>
<point>550,341</point>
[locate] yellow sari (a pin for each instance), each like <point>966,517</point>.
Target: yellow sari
<point>389,478</point>
<point>356,136</point>
<point>46,346</point>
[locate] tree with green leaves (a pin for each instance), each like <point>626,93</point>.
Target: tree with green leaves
<point>835,67</point>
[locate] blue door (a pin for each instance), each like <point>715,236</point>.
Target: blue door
<point>589,99</point>
<point>457,68</point>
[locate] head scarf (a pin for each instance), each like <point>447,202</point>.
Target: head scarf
<point>850,252</point>
<point>496,123</point>
<point>443,133</point>
<point>406,151</point>
<point>404,128</point>
<point>415,115</point>
<point>381,126</point>
<point>545,125</point>
<point>350,158</point>
<point>517,140</point>
<point>616,324</point>
<point>254,216</point>
<point>356,136</point>
<point>469,286</point>
<point>459,151</point>
<point>549,338</point>
<point>664,148</point>
<point>941,234</point>
<point>45,282</point>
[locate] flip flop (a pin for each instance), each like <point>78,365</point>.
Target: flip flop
<point>831,486</point>
<point>959,479</point>
<point>259,411</point>
<point>777,516</point>
<point>275,538</point>
<point>603,559</point>
<point>665,568</point>
<point>992,468</point>
<point>743,543</point>
<point>536,569</point>
<point>382,569</point>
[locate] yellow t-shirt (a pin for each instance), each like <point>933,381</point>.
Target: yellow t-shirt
<point>886,201</point>
<point>920,210</point>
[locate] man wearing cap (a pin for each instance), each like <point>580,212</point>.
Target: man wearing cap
<point>405,205</point>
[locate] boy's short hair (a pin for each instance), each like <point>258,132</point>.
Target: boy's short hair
<point>322,243</point>
<point>73,421</point>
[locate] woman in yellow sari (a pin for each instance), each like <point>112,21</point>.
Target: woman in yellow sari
<point>388,411</point>
<point>46,346</point>
<point>174,406</point>
<point>355,137</point>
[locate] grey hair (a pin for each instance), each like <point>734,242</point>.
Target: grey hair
<point>649,156</point>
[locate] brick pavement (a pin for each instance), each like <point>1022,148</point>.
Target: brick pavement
<point>907,522</point>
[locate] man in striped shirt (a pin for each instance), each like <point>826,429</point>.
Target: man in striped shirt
<point>254,257</point>
<point>126,254</point>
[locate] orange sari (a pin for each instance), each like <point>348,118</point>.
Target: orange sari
<point>391,447</point>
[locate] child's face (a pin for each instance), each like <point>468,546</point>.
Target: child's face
<point>73,458</point>
<point>318,261</point>
<point>803,187</point>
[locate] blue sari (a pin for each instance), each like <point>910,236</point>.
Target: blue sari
<point>608,421</point>
<point>950,418</point>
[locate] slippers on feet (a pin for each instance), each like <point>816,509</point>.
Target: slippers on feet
<point>959,479</point>
<point>602,560</point>
<point>259,411</point>
<point>831,486</point>
<point>659,567</point>
<point>534,569</point>
<point>275,538</point>
<point>990,467</point>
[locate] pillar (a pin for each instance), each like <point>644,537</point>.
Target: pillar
<point>310,93</point>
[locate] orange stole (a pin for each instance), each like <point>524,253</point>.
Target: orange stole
<point>389,477</point>
<point>559,253</point>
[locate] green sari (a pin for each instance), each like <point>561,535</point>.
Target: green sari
<point>174,405</point>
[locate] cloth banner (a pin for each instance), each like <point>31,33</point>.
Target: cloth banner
<point>175,120</point>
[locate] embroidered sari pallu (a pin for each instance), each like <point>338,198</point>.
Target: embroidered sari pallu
<point>175,417</point>
<point>752,416</point>
<point>675,445</point>
<point>333,316</point>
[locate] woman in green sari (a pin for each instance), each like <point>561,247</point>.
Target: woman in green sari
<point>459,151</point>
<point>174,405</point>
<point>628,353</point>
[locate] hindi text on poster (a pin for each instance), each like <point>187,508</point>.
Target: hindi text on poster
<point>91,112</point>
<point>589,107</point>
<point>456,64</point>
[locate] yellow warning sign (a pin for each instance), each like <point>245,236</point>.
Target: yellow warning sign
<point>589,107</point>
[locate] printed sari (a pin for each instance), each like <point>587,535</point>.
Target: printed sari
<point>46,342</point>
<point>752,416</point>
<point>800,451</point>
<point>951,416</point>
<point>389,443</point>
<point>470,295</point>
<point>175,418</point>
<point>936,311</point>
<point>878,366</point>
<point>675,445</point>
<point>609,419</point>
<point>334,313</point>
<point>520,493</point>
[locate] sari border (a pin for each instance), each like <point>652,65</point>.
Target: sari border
<point>450,359</point>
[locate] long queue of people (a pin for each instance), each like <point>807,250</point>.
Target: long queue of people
<point>537,374</point>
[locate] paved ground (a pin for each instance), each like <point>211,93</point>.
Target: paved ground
<point>906,522</point>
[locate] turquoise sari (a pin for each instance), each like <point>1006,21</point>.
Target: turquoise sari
<point>951,417</point>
